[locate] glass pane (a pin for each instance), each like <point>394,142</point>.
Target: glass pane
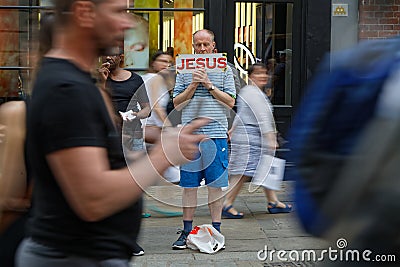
<point>19,35</point>
<point>263,33</point>
<point>143,39</point>
<point>15,83</point>
<point>46,2</point>
<point>196,3</point>
<point>137,44</point>
<point>168,30</point>
<point>18,47</point>
<point>173,38</point>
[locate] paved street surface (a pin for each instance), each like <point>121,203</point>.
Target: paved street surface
<point>244,237</point>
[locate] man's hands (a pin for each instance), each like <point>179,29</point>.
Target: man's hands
<point>104,72</point>
<point>180,145</point>
<point>200,77</point>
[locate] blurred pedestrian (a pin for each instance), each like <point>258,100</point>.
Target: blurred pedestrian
<point>209,95</point>
<point>159,81</point>
<point>128,95</point>
<point>158,92</point>
<point>252,134</point>
<point>279,80</point>
<point>170,51</point>
<point>86,202</point>
<point>269,87</point>
<point>127,90</point>
<point>158,87</point>
<point>15,179</point>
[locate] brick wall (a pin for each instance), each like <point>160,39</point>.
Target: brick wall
<point>378,19</point>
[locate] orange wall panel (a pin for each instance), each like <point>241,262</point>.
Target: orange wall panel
<point>183,28</point>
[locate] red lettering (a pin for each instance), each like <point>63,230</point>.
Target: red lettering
<point>200,62</point>
<point>222,63</point>
<point>208,63</point>
<point>181,66</point>
<point>190,63</point>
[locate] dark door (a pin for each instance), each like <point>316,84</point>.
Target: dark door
<point>270,32</point>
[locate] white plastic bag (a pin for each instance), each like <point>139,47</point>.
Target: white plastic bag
<point>269,173</point>
<point>205,238</point>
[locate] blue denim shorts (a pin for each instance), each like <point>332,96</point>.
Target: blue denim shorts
<point>211,164</point>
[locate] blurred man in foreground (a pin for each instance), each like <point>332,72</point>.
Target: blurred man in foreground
<point>86,202</point>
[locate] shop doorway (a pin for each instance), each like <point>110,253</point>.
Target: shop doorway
<point>267,32</point>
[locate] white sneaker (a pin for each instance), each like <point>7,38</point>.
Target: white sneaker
<point>138,250</point>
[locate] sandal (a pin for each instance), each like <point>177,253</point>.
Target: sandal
<point>274,209</point>
<point>146,215</point>
<point>230,215</point>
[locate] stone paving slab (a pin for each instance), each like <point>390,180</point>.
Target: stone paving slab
<point>244,237</point>
<point>298,243</point>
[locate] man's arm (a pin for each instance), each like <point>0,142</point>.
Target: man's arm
<point>13,182</point>
<point>181,100</point>
<point>221,96</point>
<point>218,93</point>
<point>94,191</point>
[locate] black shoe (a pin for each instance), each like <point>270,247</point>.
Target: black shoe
<point>137,250</point>
<point>181,242</point>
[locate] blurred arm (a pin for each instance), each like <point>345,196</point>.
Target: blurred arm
<point>95,192</point>
<point>13,181</point>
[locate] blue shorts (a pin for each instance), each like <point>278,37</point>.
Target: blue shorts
<point>211,164</point>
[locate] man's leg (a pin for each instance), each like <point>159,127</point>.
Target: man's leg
<point>189,202</point>
<point>215,200</point>
<point>216,175</point>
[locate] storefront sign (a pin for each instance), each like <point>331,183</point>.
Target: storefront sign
<point>340,10</point>
<point>187,63</point>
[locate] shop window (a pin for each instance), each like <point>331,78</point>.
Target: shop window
<point>19,22</point>
<point>18,44</point>
<point>163,31</point>
<point>263,33</point>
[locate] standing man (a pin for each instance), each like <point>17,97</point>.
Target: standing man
<point>86,203</point>
<point>127,90</point>
<point>202,94</point>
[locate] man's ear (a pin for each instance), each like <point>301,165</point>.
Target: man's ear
<point>84,13</point>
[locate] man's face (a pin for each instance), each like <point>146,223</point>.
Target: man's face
<point>114,61</point>
<point>203,43</point>
<point>111,22</point>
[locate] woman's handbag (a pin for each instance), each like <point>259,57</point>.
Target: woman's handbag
<point>269,172</point>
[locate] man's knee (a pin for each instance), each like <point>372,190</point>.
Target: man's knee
<point>187,192</point>
<point>214,194</point>
<point>214,190</point>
